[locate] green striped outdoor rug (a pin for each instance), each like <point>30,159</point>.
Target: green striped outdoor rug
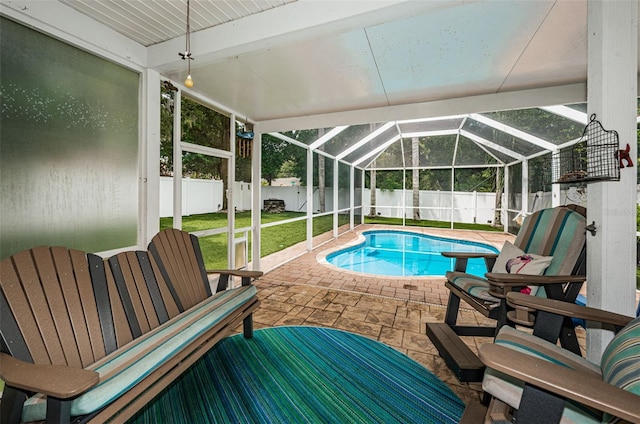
<point>304,375</point>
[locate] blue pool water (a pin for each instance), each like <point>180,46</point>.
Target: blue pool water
<point>401,253</point>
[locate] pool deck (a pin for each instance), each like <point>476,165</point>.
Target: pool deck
<point>392,310</point>
<point>298,290</point>
<point>306,268</point>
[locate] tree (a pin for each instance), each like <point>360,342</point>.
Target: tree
<point>299,155</point>
<point>166,131</point>
<point>275,153</point>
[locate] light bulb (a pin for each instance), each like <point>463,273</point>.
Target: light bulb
<point>189,81</point>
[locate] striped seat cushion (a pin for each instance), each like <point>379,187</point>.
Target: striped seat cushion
<point>621,361</point>
<point>509,390</point>
<point>475,286</point>
<point>557,232</point>
<point>130,364</point>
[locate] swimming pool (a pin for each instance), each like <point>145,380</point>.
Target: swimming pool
<point>402,253</point>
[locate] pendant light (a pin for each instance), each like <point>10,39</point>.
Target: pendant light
<point>187,51</point>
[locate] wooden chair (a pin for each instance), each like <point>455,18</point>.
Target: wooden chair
<point>558,233</point>
<point>532,380</point>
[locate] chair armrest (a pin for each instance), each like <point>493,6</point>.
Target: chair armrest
<point>502,279</point>
<point>563,381</point>
<point>469,255</point>
<point>58,381</point>
<point>236,272</point>
<point>461,259</point>
<point>571,310</point>
<point>500,284</point>
<point>247,276</point>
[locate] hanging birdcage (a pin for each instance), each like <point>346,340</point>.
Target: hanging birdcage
<point>593,158</point>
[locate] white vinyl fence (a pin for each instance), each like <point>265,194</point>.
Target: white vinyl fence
<point>202,196</point>
<point>205,196</point>
<point>434,205</point>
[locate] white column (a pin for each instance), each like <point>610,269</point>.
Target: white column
<point>231,201</point>
<point>149,216</point>
<point>505,200</point>
<point>335,198</point>
<point>351,195</point>
<point>452,194</point>
<point>404,196</point>
<point>177,160</point>
<point>256,195</point>
<point>309,200</point>
<point>525,188</point>
<point>555,195</point>
<point>612,93</point>
<point>362,197</point>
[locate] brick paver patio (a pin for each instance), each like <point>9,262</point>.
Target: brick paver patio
<point>392,310</point>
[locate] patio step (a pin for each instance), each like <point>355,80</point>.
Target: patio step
<point>457,355</point>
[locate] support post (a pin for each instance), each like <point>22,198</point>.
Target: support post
<point>336,200</point>
<point>309,200</point>
<point>612,95</point>
<point>231,198</point>
<point>256,195</point>
<point>177,160</point>
<point>149,214</point>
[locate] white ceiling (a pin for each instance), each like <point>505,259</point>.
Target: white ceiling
<point>275,59</point>
<point>452,50</point>
<point>153,21</point>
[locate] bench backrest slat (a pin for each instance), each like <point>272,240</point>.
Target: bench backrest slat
<point>23,317</point>
<point>72,274</point>
<point>121,275</point>
<point>121,324</point>
<point>180,262</point>
<point>148,318</point>
<point>88,301</point>
<point>101,294</point>
<point>48,313</point>
<point>169,297</point>
<point>175,259</point>
<point>11,340</point>
<point>142,310</point>
<point>153,287</point>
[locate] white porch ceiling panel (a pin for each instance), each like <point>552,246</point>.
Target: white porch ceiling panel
<point>153,21</point>
<point>316,76</point>
<point>270,60</point>
<point>447,50</point>
<point>454,52</point>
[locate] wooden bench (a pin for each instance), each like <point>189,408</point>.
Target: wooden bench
<point>97,339</point>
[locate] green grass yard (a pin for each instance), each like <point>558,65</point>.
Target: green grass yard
<point>274,239</point>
